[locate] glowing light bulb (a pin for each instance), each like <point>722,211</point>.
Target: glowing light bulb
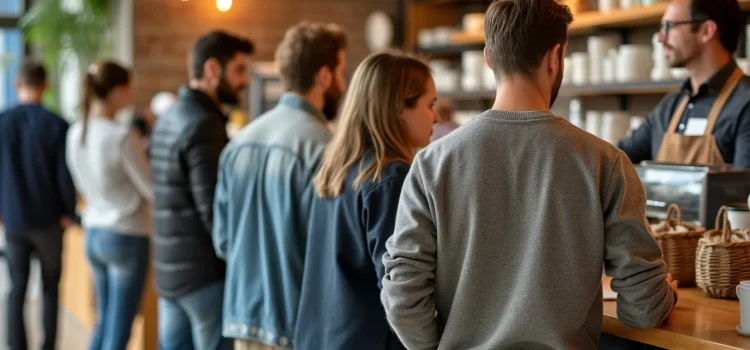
<point>223,5</point>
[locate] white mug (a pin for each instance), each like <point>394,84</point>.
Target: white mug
<point>738,216</point>
<point>743,293</point>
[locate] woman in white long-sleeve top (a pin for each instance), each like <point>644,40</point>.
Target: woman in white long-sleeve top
<point>112,174</point>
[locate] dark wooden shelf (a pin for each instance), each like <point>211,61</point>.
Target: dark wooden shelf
<point>639,88</point>
<point>588,22</point>
<point>450,49</point>
<point>452,2</point>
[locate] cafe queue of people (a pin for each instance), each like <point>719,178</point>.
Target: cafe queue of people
<point>291,235</point>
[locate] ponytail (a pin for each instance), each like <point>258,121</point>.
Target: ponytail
<point>86,97</point>
<point>101,78</point>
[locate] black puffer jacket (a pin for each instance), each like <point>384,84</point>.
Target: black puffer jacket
<point>185,148</point>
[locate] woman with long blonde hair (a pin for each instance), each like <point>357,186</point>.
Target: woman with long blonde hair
<point>386,116</point>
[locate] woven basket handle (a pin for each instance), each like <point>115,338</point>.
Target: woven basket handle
<point>673,208</point>
<point>722,223</point>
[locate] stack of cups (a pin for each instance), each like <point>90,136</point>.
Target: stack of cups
<point>576,113</point>
<point>490,83</point>
<point>472,63</point>
<point>593,122</point>
<point>615,126</point>
<point>626,4</point>
<point>598,48</point>
<point>634,63</point>
<point>609,66</point>
<point>446,78</point>
<point>567,71</point>
<point>743,293</point>
<point>608,5</point>
<point>660,72</point>
<point>580,68</point>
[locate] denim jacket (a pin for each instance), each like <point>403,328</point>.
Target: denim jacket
<point>261,215</point>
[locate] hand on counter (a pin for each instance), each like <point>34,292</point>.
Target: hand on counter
<point>66,222</point>
<point>673,283</point>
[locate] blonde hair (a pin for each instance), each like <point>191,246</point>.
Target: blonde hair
<point>383,85</point>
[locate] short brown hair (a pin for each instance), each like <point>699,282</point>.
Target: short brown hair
<point>32,74</point>
<point>306,48</point>
<point>519,33</point>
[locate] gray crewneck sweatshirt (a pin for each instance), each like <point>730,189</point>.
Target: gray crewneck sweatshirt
<point>502,230</point>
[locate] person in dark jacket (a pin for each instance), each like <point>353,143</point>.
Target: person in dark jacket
<point>185,148</point>
<point>37,200</point>
<point>387,115</point>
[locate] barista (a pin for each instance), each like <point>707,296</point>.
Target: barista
<point>708,121</point>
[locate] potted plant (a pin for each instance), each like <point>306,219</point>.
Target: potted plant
<point>58,29</point>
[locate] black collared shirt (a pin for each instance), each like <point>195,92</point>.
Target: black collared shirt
<point>732,129</point>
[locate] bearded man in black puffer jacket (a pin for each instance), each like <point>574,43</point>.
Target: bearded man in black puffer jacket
<point>185,148</point>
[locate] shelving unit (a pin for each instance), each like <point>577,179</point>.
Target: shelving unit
<point>422,14</point>
<point>639,88</point>
<point>450,50</point>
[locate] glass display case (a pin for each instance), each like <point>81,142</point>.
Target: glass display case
<point>699,190</point>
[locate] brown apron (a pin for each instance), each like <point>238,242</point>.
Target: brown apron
<point>699,150</point>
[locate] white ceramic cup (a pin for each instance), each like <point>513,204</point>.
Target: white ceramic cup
<point>626,4</point>
<point>593,123</point>
<point>580,68</point>
<point>567,71</point>
<point>739,216</point>
<point>743,293</point>
<point>608,5</point>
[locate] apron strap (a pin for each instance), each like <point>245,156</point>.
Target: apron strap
<point>721,100</point>
<point>677,115</point>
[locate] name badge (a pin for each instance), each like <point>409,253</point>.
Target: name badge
<point>696,127</point>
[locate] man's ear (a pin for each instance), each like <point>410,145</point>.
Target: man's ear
<point>324,78</point>
<point>487,58</point>
<point>212,69</point>
<point>709,30</point>
<point>555,58</point>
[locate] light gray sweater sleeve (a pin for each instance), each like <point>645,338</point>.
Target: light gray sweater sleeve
<point>631,255</point>
<point>136,166</point>
<point>410,268</point>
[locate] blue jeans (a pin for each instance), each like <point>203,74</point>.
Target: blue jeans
<point>193,321</point>
<point>119,263</point>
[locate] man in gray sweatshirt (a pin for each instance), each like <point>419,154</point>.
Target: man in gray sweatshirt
<point>504,225</point>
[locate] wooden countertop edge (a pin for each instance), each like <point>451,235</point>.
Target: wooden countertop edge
<point>658,337</point>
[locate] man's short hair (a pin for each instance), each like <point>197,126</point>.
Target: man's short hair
<point>520,32</point>
<point>32,74</point>
<point>306,48</point>
<point>727,15</point>
<point>219,45</point>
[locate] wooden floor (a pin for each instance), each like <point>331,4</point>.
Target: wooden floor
<point>71,335</point>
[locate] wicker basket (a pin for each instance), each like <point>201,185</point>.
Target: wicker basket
<point>720,266</point>
<point>679,248</point>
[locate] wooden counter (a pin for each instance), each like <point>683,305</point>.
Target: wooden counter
<point>77,294</point>
<point>697,322</point>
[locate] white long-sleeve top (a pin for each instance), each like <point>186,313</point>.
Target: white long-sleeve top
<point>112,174</point>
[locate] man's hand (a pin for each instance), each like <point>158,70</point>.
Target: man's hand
<point>673,283</point>
<point>66,222</point>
